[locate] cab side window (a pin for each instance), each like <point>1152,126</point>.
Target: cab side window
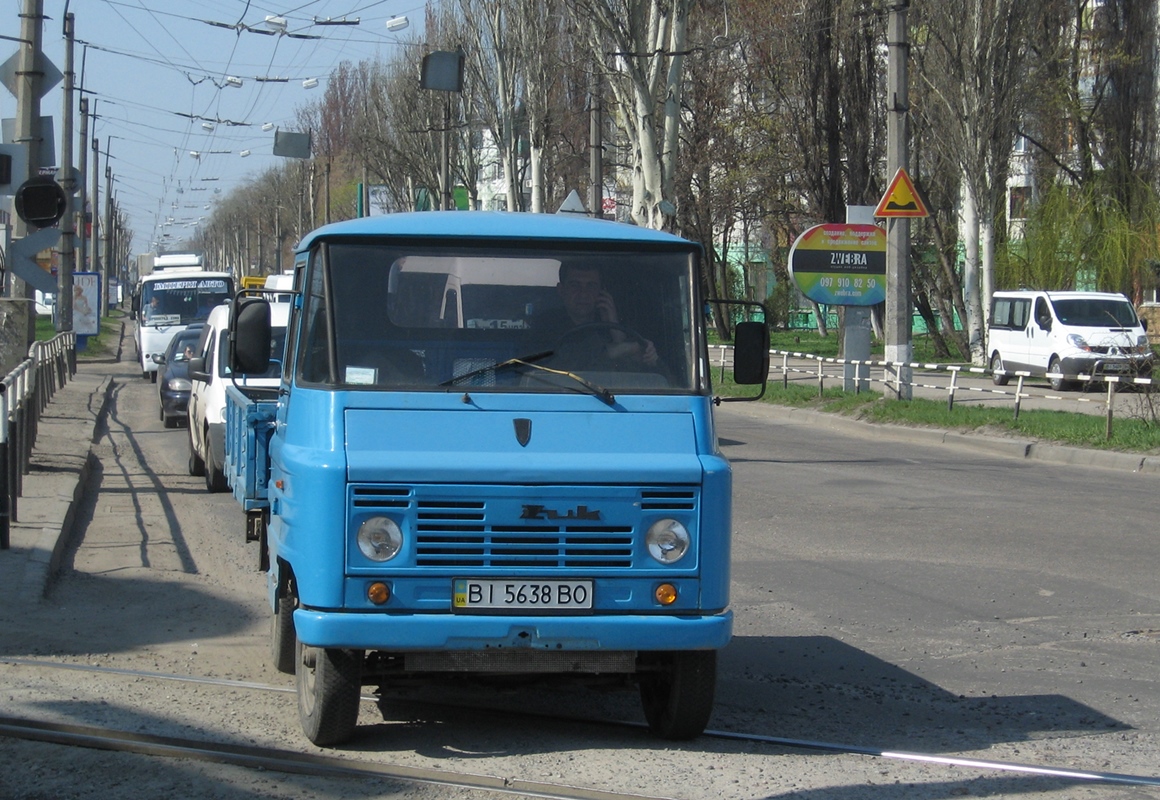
<point>1042,313</point>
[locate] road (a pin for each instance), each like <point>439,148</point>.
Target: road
<point>888,595</point>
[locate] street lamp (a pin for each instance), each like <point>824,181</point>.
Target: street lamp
<point>443,72</point>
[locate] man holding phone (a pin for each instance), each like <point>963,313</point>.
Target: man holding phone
<point>591,323</point>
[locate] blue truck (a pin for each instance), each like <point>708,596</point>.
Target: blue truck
<point>493,453</point>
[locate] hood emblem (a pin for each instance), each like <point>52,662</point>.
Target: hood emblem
<point>523,430</point>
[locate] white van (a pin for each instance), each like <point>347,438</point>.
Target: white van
<point>1063,335</point>
<point>209,375</point>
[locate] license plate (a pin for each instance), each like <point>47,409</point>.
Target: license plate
<point>522,594</point>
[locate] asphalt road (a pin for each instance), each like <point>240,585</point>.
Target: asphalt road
<point>888,594</point>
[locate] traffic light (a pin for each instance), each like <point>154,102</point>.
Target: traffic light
<point>40,202</point>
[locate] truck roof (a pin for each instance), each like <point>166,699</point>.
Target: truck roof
<point>492,225</point>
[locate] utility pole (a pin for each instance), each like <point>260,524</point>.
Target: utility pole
<point>108,221</point>
<point>64,298</point>
<point>898,310</point>
<point>595,149</point>
<point>82,165</point>
<point>28,91</point>
<point>94,204</point>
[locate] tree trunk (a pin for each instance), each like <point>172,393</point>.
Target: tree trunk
<point>974,320</point>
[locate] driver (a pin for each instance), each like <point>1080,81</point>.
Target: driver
<point>587,303</point>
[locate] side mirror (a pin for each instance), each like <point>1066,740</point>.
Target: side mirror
<point>159,359</point>
<point>1144,324</point>
<point>197,369</point>
<point>250,336</point>
<point>750,349</point>
<point>750,353</point>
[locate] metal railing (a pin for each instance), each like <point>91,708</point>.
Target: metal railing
<point>896,375</point>
<point>25,393</point>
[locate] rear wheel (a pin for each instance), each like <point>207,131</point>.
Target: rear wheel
<point>676,691</point>
<point>998,376</point>
<point>329,685</point>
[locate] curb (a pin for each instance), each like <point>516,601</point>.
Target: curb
<point>1026,449</point>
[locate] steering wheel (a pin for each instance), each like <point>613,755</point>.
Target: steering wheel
<point>588,345</point>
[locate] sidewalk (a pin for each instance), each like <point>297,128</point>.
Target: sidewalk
<point>53,489</point>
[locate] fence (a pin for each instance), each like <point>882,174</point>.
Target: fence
<point>25,393</point>
<point>896,375</point>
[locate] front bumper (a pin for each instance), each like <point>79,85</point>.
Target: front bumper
<point>1097,364</point>
<point>411,632</point>
<point>175,404</point>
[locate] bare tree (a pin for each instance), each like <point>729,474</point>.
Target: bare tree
<point>641,44</point>
<point>975,68</point>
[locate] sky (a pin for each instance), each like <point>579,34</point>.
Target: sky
<point>163,77</point>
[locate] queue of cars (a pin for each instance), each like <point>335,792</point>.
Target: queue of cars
<point>192,375</point>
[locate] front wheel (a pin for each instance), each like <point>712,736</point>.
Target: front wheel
<point>329,687</point>
<point>1058,384</point>
<point>998,376</point>
<point>676,692</point>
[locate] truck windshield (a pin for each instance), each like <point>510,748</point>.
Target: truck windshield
<point>427,317</point>
<point>1096,312</point>
<point>180,301</point>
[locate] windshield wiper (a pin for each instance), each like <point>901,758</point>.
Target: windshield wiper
<point>511,362</point>
<point>527,361</point>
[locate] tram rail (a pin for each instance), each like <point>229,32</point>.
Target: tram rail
<point>336,766</point>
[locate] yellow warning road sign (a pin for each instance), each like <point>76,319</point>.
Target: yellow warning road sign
<point>901,199</point>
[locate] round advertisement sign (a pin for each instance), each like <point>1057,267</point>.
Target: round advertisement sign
<point>841,264</point>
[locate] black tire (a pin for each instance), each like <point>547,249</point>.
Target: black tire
<point>329,684</point>
<point>170,422</point>
<point>153,377</point>
<point>196,465</point>
<point>283,639</point>
<point>996,369</point>
<point>676,692</point>
<point>1058,384</point>
<point>215,479</point>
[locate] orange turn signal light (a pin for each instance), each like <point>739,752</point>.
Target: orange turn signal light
<point>378,593</point>
<point>666,594</point>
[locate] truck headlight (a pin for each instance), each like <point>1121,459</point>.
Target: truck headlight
<point>667,541</point>
<point>1077,341</point>
<point>380,538</point>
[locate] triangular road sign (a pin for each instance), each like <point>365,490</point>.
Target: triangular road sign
<point>901,199</point>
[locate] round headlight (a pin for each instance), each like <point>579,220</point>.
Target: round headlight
<point>379,538</point>
<point>667,540</point>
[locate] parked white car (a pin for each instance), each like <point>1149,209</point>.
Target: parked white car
<point>1065,335</point>
<point>209,375</point>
